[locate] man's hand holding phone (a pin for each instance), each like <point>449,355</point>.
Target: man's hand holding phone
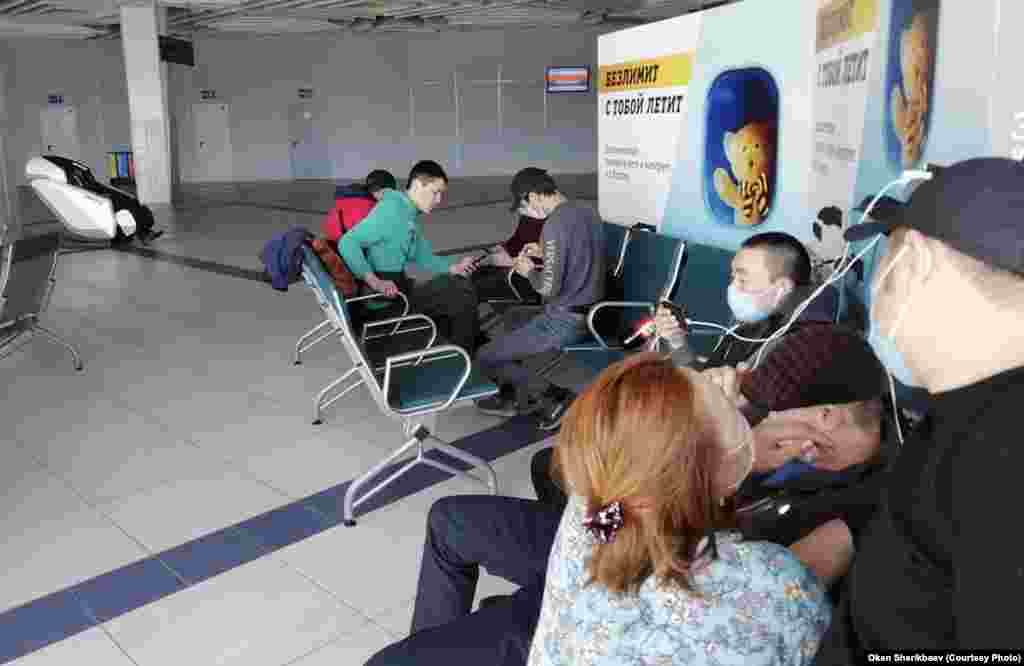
<point>467,266</point>
<point>531,258</point>
<point>670,323</point>
<point>500,257</point>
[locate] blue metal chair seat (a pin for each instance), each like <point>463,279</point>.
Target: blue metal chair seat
<point>649,266</point>
<point>410,385</point>
<point>417,387</point>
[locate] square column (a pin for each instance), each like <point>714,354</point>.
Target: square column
<point>147,101</point>
<point>7,191</point>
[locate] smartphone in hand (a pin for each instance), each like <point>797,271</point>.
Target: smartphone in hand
<point>678,312</point>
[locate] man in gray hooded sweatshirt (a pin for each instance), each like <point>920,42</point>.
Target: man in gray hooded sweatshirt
<point>567,269</point>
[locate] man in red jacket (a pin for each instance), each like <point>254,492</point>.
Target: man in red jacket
<point>353,204</point>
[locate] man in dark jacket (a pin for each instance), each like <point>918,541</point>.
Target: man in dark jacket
<point>771,276</point>
<point>940,566</point>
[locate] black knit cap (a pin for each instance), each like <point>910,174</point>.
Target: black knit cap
<point>975,206</point>
<point>527,181</point>
<point>811,368</point>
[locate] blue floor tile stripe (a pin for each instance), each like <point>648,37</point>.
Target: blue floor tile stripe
<point>70,611</point>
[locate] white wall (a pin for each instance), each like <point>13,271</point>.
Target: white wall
<point>361,100</point>
<point>1007,102</point>
<point>90,75</point>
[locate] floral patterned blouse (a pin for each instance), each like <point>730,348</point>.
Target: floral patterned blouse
<point>759,606</point>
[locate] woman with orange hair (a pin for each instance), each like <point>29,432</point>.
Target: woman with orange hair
<point>644,568</point>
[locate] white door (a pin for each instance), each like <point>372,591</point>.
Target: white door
<point>213,154</point>
<point>310,157</point>
<point>59,131</point>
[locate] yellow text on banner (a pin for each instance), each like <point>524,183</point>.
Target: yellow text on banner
<point>842,20</point>
<point>665,72</point>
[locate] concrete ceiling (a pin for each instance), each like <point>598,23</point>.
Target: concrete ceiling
<point>99,19</point>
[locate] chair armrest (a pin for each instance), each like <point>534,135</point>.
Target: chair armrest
<point>399,320</point>
<point>368,297</point>
<point>592,314</point>
<point>375,295</point>
<point>433,354</point>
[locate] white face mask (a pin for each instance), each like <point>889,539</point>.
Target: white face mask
<point>531,211</point>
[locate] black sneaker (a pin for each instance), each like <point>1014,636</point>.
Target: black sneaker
<point>487,602</point>
<point>501,404</point>
<point>551,417</point>
<point>147,237</point>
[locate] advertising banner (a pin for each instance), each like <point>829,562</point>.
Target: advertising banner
<point>845,32</point>
<point>643,81</point>
<point>743,165</point>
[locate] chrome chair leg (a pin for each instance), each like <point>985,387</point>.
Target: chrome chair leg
<point>54,337</point>
<point>349,503</point>
<point>318,401</point>
<point>299,347</point>
<point>470,459</point>
<point>551,365</point>
<point>14,342</point>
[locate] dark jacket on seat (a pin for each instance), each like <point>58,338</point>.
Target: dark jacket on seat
<point>282,257</point>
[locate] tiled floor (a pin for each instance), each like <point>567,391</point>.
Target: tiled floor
<point>189,418</point>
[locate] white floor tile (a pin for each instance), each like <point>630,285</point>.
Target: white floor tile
<point>513,471</point>
<point>351,650</point>
<point>308,466</point>
<point>396,621</point>
<point>208,500</point>
<point>121,455</point>
<point>60,407</point>
<point>259,614</point>
<point>351,561</point>
<point>489,586</point>
<point>390,539</point>
<point>18,474</point>
<point>52,541</point>
<point>89,647</point>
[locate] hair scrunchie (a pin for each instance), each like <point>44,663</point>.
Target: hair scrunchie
<point>604,523</point>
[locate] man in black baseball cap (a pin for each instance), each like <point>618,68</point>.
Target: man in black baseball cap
<point>492,280</point>
<point>566,268</point>
<point>530,179</point>
<point>939,565</point>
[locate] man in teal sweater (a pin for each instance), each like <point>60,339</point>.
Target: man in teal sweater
<point>380,247</point>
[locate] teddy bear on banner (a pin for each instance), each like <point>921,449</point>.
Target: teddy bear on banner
<point>910,97</point>
<point>750,151</point>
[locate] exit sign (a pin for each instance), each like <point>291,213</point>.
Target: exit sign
<point>55,99</point>
<point>207,94</point>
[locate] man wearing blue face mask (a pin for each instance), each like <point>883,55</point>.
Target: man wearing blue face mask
<point>771,276</point>
<point>939,566</point>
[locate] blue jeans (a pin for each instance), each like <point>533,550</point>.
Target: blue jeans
<point>501,358</point>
